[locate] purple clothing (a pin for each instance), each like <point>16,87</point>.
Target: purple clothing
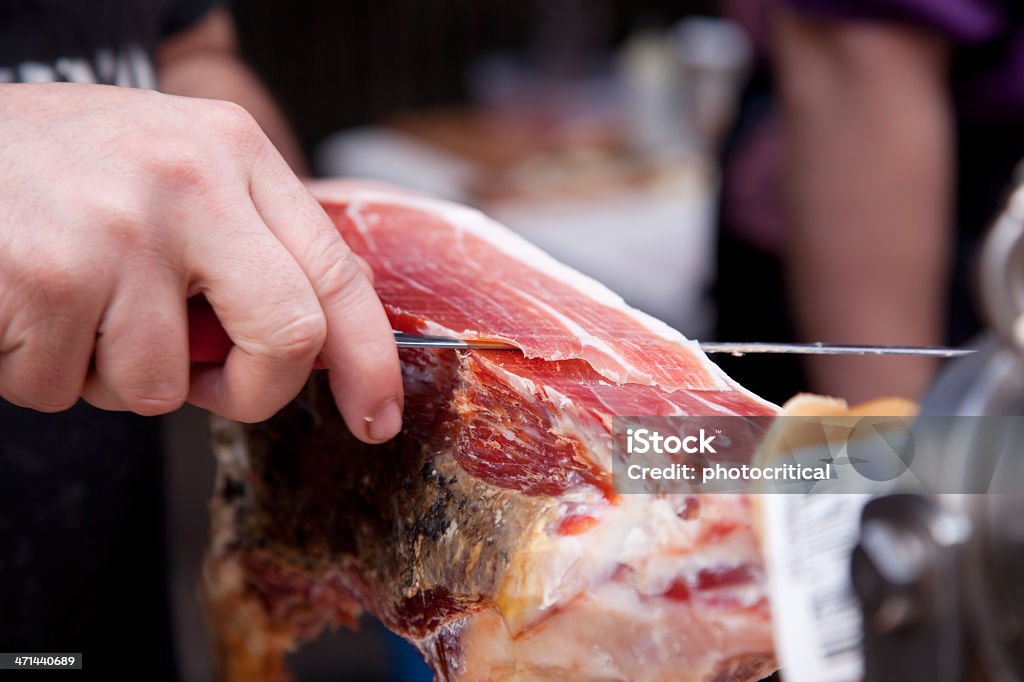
<point>988,46</point>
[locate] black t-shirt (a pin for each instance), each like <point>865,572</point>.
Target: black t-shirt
<point>89,41</point>
<point>82,546</point>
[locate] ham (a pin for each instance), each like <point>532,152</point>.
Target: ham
<point>488,533</point>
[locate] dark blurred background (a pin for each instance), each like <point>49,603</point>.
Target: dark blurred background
<point>333,65</point>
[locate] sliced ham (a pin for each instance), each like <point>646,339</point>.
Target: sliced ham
<point>448,269</point>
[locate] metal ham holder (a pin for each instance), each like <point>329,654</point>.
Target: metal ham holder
<point>937,575</point>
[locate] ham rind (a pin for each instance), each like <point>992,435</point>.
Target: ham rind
<point>488,533</point>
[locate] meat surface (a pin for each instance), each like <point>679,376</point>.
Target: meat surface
<point>488,534</point>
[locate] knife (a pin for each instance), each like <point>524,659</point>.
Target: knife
<point>406,340</point>
<point>210,344</point>
<point>740,349</point>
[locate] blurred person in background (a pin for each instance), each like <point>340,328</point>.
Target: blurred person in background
<point>898,128</point>
<point>116,203</point>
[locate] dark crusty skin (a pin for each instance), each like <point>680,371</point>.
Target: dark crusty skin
<point>309,523</point>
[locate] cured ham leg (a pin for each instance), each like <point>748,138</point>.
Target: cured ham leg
<point>487,533</point>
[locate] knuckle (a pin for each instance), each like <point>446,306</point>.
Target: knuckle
<point>236,125</point>
<point>232,114</point>
<point>366,269</point>
<point>180,167</point>
<point>56,281</point>
<point>155,401</point>
<point>252,414</point>
<point>178,164</point>
<point>338,271</point>
<point>122,226</point>
<point>249,408</point>
<point>153,394</point>
<point>154,381</point>
<point>55,403</point>
<point>41,401</point>
<point>300,338</point>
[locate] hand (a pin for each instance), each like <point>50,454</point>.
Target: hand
<point>118,205</point>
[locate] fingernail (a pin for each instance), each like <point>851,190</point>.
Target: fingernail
<point>386,423</point>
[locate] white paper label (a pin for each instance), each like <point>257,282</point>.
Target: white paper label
<point>815,614</point>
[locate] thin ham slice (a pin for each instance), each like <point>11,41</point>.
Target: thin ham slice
<point>488,533</point>
<point>450,270</point>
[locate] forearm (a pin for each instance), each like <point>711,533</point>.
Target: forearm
<point>204,63</point>
<point>869,177</point>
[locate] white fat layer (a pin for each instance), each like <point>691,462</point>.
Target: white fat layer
<point>474,222</point>
<point>611,635</point>
<point>644,534</point>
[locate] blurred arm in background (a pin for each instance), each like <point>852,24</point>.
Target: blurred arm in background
<point>869,178</point>
<point>203,61</point>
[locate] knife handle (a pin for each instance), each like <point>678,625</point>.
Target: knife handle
<point>208,343</point>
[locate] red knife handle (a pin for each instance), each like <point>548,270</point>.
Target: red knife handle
<point>208,343</point>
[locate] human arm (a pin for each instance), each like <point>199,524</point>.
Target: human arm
<point>869,143</point>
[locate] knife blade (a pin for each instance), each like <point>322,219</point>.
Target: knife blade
<point>740,349</point>
<point>406,340</point>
